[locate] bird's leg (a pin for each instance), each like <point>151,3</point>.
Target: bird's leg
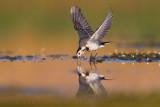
<point>95,65</point>
<point>91,57</point>
<point>91,54</point>
<point>79,64</point>
<point>80,58</point>
<point>91,65</point>
<point>96,54</point>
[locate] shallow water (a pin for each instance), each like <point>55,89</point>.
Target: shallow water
<point>114,57</point>
<point>59,77</point>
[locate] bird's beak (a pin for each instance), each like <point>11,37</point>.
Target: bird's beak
<point>78,57</point>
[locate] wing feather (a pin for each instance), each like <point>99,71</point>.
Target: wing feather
<point>80,23</point>
<point>104,28</point>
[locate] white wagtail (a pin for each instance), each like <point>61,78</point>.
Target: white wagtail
<point>88,39</point>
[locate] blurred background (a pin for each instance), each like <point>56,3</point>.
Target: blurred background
<point>33,26</point>
<point>29,27</point>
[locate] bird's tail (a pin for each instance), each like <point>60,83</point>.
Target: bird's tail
<point>103,43</point>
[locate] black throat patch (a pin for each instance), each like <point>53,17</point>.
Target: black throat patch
<point>78,49</point>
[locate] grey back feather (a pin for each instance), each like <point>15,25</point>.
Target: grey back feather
<point>80,23</point>
<point>104,28</point>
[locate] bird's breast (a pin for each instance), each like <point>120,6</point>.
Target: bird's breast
<point>92,45</point>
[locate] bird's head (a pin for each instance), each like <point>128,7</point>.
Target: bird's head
<point>80,52</point>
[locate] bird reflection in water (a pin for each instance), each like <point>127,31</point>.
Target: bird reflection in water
<point>90,82</point>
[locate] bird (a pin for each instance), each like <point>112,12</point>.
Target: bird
<point>88,39</point>
<point>90,83</point>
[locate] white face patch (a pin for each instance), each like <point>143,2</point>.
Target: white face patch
<point>81,52</point>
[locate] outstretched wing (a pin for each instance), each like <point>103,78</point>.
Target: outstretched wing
<point>104,28</point>
<point>80,23</point>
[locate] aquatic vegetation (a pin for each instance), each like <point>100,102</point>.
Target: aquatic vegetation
<point>114,57</point>
<point>100,60</point>
<point>56,56</point>
<point>11,58</point>
<point>136,57</point>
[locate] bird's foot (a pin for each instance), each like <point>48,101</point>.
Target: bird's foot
<point>92,59</point>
